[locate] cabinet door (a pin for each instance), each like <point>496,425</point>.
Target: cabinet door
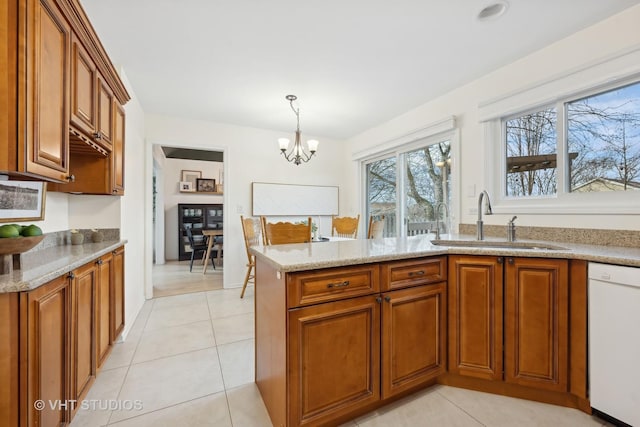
<point>83,89</point>
<point>103,309</point>
<point>84,292</point>
<point>46,108</point>
<point>105,114</point>
<point>117,153</point>
<point>334,359</point>
<point>475,316</point>
<point>117,294</point>
<point>45,340</point>
<point>413,337</point>
<point>536,325</point>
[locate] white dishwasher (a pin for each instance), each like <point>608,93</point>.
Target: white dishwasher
<point>614,341</point>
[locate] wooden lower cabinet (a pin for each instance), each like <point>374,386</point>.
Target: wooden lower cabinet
<point>55,338</point>
<point>103,308</point>
<point>45,342</point>
<point>117,294</point>
<point>518,306</point>
<point>84,282</point>
<point>334,351</point>
<point>413,337</point>
<point>536,323</point>
<point>475,316</point>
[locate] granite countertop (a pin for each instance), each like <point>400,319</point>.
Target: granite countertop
<point>42,266</point>
<point>311,256</point>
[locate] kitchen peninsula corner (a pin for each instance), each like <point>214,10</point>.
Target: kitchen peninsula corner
<point>345,327</point>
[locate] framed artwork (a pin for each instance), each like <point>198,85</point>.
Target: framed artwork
<point>22,200</point>
<point>206,184</point>
<point>187,187</point>
<point>190,176</point>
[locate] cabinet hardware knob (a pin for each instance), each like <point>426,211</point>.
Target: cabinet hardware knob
<point>378,300</point>
<point>387,298</point>
<point>71,276</point>
<point>416,273</point>
<point>510,260</point>
<point>113,252</point>
<point>338,285</point>
<point>500,260</point>
<point>99,262</point>
<point>97,135</point>
<point>71,178</point>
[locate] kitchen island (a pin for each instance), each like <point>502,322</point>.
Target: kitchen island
<point>345,327</point>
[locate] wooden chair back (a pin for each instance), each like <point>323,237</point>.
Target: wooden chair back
<point>345,226</point>
<point>376,227</point>
<point>252,231</point>
<point>286,232</point>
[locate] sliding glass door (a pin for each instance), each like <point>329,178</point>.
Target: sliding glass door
<point>424,176</point>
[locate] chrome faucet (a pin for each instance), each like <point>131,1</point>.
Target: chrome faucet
<point>511,230</point>
<point>446,207</point>
<point>479,223</point>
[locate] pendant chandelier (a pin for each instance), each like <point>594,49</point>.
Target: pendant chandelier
<point>297,154</point>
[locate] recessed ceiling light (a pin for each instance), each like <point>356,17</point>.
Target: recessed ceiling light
<point>492,11</point>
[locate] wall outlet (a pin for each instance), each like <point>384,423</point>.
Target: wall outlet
<point>239,209</point>
<point>471,190</point>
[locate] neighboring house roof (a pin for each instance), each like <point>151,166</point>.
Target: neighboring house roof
<point>606,184</point>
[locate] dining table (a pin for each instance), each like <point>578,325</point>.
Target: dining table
<point>211,233</point>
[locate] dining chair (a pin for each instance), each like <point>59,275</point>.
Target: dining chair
<point>345,226</point>
<point>286,232</point>
<point>252,231</point>
<point>376,227</point>
<point>197,247</point>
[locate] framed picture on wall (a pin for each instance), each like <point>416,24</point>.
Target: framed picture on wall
<point>206,184</point>
<point>190,176</point>
<point>22,200</point>
<point>187,187</point>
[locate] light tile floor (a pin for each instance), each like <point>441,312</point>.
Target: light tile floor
<point>189,361</point>
<point>174,278</point>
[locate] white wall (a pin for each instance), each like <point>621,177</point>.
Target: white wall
<point>135,210</point>
<point>250,155</point>
<point>171,172</point>
<point>94,211</point>
<point>606,38</point>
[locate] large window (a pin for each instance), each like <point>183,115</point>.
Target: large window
<point>598,137</point>
<point>423,176</point>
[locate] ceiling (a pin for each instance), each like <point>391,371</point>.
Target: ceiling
<point>353,64</point>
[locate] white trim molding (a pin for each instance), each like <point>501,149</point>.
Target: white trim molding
<point>445,125</point>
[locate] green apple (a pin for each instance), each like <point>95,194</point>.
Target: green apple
<point>31,230</point>
<point>9,230</point>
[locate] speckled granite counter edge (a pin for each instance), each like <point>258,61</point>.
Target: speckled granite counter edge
<point>594,253</point>
<point>42,266</point>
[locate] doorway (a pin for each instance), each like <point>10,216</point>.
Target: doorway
<point>187,189</point>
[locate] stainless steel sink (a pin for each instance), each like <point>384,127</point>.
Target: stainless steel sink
<point>498,244</point>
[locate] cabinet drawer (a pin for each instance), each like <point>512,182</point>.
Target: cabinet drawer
<point>402,274</point>
<point>331,284</point>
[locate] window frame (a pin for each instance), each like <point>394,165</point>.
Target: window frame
<point>453,136</point>
<point>564,201</point>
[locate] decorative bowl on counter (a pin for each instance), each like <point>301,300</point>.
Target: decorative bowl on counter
<point>11,249</point>
<point>18,245</point>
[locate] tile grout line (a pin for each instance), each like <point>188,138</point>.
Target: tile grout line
<point>460,408</point>
<point>224,385</point>
<point>132,356</point>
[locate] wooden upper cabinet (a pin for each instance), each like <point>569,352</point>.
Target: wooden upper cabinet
<point>83,89</point>
<point>62,93</point>
<point>44,105</point>
<point>536,323</point>
<point>117,154</point>
<point>105,104</point>
<point>475,316</point>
